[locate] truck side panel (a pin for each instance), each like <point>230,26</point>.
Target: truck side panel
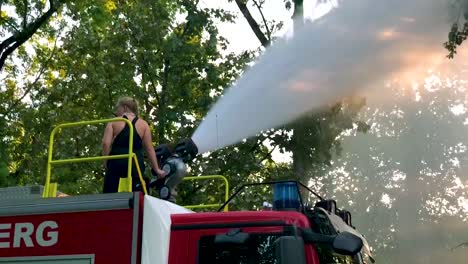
<point>179,247</point>
<point>103,235</point>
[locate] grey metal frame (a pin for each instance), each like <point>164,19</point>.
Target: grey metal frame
<point>47,259</point>
<point>65,204</point>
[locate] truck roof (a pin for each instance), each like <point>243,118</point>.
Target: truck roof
<point>238,218</point>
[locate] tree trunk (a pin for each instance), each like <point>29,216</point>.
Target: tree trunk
<point>298,14</point>
<point>410,201</point>
<point>300,159</point>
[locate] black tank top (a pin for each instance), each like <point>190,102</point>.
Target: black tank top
<point>120,144</point>
<point>118,168</point>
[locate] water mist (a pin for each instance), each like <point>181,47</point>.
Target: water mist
<point>359,45</point>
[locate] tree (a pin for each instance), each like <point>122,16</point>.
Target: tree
<point>459,31</point>
<point>21,29</point>
<point>19,22</point>
<point>405,179</point>
<point>174,68</point>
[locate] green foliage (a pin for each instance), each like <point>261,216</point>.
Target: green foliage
<point>458,11</point>
<point>169,55</point>
<point>456,37</point>
<point>21,21</point>
<point>4,173</point>
<point>174,67</point>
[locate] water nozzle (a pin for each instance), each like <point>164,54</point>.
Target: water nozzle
<point>173,162</point>
<point>163,152</point>
<point>186,149</point>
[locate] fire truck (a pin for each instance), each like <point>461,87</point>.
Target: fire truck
<point>289,223</point>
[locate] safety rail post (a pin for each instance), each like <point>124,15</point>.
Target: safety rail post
<point>128,156</point>
<point>142,181</point>
<point>207,177</point>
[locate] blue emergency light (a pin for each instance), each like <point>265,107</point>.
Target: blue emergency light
<point>286,196</point>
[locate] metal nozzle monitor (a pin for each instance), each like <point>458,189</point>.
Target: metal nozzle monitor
<point>173,161</point>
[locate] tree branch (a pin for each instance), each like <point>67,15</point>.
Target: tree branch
<point>148,107</point>
<point>259,7</point>
<point>460,245</point>
<point>253,24</point>
<point>9,23</point>
<point>156,95</point>
<point>161,128</point>
<point>268,155</point>
<point>8,46</point>
<point>165,81</point>
<point>25,15</point>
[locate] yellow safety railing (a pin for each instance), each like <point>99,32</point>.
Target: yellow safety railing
<point>125,185</point>
<point>207,177</point>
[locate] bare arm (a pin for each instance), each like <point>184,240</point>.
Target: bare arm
<point>147,143</point>
<point>107,141</point>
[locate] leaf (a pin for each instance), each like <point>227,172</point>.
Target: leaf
<point>110,6</point>
<point>62,73</point>
<point>363,127</point>
<point>3,15</point>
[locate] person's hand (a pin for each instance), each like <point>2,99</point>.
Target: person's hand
<point>159,173</point>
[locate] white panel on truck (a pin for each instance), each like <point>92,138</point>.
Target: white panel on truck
<point>157,229</point>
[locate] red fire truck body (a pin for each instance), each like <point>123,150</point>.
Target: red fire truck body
<point>131,227</point>
<point>136,228</point>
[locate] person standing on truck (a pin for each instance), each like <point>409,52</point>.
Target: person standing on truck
<point>115,141</point>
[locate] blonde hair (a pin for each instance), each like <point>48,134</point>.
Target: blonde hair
<point>130,103</point>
